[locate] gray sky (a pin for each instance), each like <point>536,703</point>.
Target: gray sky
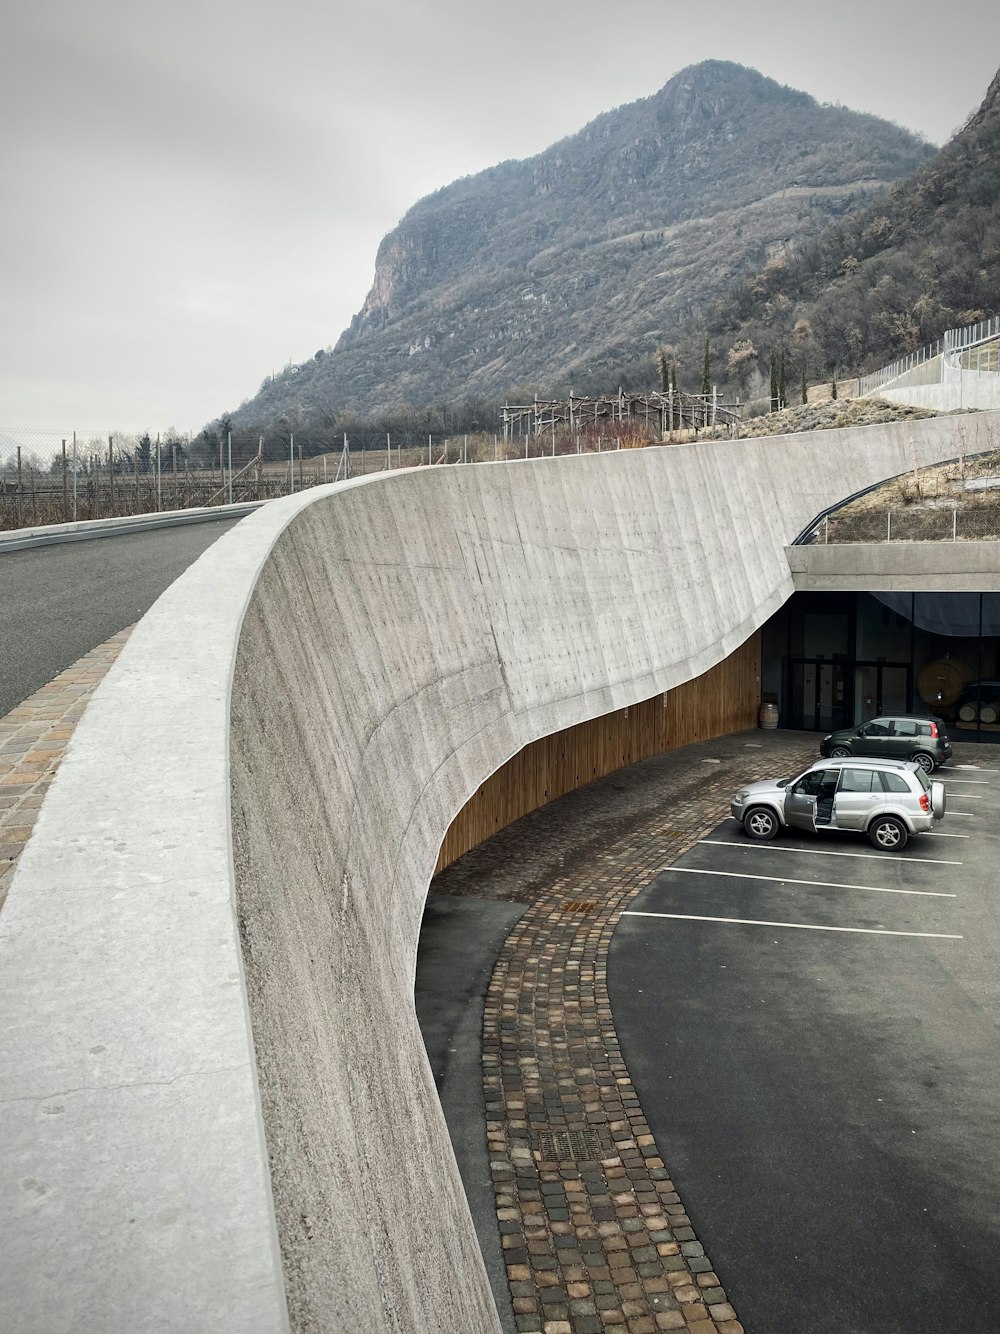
<point>195,191</point>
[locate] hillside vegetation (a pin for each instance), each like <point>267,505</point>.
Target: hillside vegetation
<point>571,268</point>
<point>883,281</point>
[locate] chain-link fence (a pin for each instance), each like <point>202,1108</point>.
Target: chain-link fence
<point>48,478</point>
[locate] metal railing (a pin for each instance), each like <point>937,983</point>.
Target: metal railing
<point>947,348</point>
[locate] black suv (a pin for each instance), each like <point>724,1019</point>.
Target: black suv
<point>899,737</point>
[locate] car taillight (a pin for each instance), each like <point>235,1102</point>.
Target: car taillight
<point>925,802</point>
<point>934,730</point>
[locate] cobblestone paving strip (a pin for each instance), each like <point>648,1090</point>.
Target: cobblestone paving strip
<point>33,740</point>
<point>596,1238</point>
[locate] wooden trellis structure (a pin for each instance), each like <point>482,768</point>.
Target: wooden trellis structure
<point>613,413</point>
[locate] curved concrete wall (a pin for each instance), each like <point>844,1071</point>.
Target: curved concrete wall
<point>216,1107</point>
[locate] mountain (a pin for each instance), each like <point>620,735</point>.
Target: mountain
<point>878,284</point>
<point>555,271</point>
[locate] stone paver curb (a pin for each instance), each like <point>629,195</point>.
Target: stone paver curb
<point>33,740</point>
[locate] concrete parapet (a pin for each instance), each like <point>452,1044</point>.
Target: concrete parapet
<point>920,567</point>
<point>216,1108</point>
<point>969,389</point>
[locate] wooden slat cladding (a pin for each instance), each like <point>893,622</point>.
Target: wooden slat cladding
<point>722,700</point>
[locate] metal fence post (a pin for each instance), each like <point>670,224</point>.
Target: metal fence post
<point>229,449</point>
<point>888,525</point>
<point>291,463</point>
<point>954,524</point>
<point>74,477</point>
<point>159,485</point>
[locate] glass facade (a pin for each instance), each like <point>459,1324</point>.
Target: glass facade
<point>834,660</point>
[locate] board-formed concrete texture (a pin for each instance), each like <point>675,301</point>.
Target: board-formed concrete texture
<point>901,567</point>
<point>216,1112</point>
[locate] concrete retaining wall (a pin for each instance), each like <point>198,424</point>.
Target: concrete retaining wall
<point>974,389</point>
<point>214,1103</point>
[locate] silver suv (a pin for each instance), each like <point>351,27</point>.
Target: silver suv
<point>886,799</point>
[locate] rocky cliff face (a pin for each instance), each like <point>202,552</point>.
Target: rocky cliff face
<point>553,271</point>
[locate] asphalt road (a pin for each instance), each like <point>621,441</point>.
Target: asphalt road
<point>59,602</point>
<point>828,1101</point>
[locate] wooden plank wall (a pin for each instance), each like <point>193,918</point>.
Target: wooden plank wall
<point>723,700</point>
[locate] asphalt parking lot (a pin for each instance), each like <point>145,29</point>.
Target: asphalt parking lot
<point>812,1026</point>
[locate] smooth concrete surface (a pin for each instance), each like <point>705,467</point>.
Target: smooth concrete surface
<point>969,389</point>
<point>398,639</point>
<point>920,567</point>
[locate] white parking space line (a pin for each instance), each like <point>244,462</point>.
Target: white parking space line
<point>970,796</point>
<point>972,815</point>
<point>976,768</point>
<point>936,833</point>
<point>815,884</point>
<point>968,782</point>
<point>823,852</point>
<point>796,926</point>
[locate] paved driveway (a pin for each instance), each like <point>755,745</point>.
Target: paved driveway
<point>812,1027</point>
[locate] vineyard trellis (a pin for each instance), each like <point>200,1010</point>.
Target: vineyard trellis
<point>46,479</point>
<point>655,412</point>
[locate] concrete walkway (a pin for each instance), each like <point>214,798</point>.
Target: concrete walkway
<point>33,740</point>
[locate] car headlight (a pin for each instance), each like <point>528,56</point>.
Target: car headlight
<point>828,737</point>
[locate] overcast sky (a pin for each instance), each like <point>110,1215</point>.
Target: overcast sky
<point>195,191</point>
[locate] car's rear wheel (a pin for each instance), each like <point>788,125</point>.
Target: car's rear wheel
<point>761,823</point>
<point>839,753</point>
<point>888,833</point>
<point>925,761</point>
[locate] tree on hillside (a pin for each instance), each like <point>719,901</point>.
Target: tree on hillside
<point>805,390</point>
<point>706,371</point>
<point>782,388</point>
<point>663,367</point>
<point>142,452</point>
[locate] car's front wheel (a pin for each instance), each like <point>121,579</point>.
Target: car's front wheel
<point>925,761</point>
<point>888,833</point>
<point>839,753</point>
<point>761,823</point>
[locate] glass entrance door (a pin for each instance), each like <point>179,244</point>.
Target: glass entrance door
<point>816,695</point>
<point>880,688</point>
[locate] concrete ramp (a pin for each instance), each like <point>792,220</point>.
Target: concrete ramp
<point>215,1107</point>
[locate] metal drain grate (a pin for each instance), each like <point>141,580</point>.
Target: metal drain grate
<point>574,1146</point>
<point>578,907</point>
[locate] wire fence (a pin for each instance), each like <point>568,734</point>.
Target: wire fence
<point>46,478</point>
<point>959,523</point>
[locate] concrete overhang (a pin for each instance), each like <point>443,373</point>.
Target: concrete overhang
<point>902,567</point>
